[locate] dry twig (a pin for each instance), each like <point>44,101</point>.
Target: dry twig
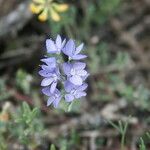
<point>15,20</point>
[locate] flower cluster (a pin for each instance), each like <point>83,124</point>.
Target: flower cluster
<point>47,7</point>
<point>68,76</point>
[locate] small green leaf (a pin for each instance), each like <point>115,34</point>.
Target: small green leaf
<point>142,145</point>
<point>26,108</point>
<point>74,106</point>
<point>52,147</point>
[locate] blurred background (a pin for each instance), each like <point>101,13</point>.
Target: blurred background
<point>115,115</point>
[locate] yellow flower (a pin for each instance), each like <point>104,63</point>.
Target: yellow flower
<point>35,8</point>
<point>60,7</point>
<point>44,15</point>
<point>39,1</point>
<point>54,15</point>
<point>46,8</point>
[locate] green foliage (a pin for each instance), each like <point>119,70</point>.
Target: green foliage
<point>93,60</point>
<point>148,135</point>
<point>76,25</point>
<point>68,19</point>
<point>122,60</point>
<point>52,147</point>
<point>104,54</point>
<point>139,95</point>
<point>4,93</point>
<point>101,56</point>
<point>101,62</point>
<point>74,106</point>
<point>142,96</point>
<point>27,115</point>
<point>122,129</point>
<point>26,125</point>
<point>100,11</point>
<point>72,141</point>
<point>23,81</point>
<point>142,145</point>
<point>63,106</point>
<point>107,7</point>
<point>3,144</point>
<point>78,22</point>
<point>118,85</point>
<point>113,83</point>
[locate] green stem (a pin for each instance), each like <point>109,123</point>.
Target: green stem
<point>68,31</point>
<point>123,133</point>
<point>122,141</point>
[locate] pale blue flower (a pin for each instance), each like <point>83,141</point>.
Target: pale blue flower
<point>51,77</point>
<point>55,46</point>
<point>73,91</point>
<point>72,51</point>
<point>54,98</point>
<point>75,72</point>
<point>70,75</point>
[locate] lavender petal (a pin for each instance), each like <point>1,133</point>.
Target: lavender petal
<point>45,73</point>
<point>81,72</point>
<point>56,102</point>
<point>53,87</point>
<point>66,68</point>
<point>80,94</point>
<point>46,81</point>
<point>78,57</point>
<point>82,87</point>
<point>50,101</point>
<point>68,86</point>
<point>69,97</point>
<point>76,80</point>
<point>58,41</point>
<point>50,45</point>
<point>69,48</point>
<point>79,48</point>
<point>46,91</point>
<point>79,65</point>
